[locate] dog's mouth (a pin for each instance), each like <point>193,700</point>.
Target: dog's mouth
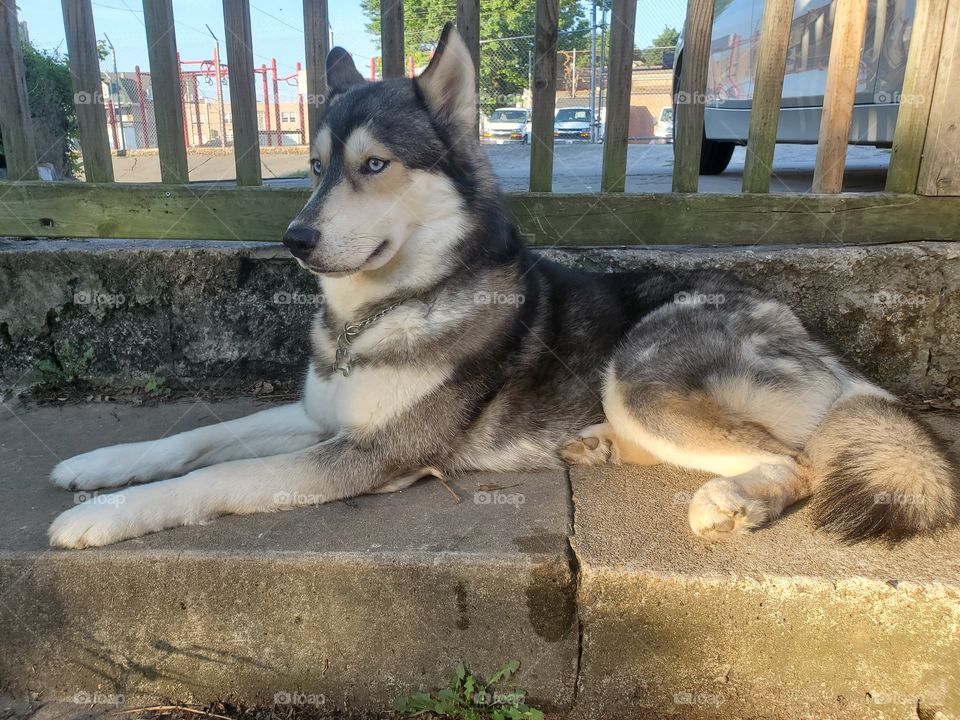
<point>341,272</point>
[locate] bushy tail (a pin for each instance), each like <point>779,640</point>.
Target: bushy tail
<point>880,472</point>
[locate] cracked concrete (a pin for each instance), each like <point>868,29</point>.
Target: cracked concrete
<point>593,582</point>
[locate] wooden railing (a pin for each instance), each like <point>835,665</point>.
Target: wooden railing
<point>924,160</point>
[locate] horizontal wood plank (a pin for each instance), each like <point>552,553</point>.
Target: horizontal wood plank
<point>262,213</point>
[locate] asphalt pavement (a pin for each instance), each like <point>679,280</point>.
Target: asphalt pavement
<point>576,168</point>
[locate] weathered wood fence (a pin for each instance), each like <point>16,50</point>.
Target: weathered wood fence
<point>919,203</point>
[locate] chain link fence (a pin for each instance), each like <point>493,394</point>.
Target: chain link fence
<point>506,75</point>
<point>205,103</point>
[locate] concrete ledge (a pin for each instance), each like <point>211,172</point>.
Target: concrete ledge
<point>621,614</point>
<point>359,601</point>
<point>783,623</point>
<point>204,313</point>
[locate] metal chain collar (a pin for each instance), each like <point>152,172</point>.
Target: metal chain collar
<point>351,330</point>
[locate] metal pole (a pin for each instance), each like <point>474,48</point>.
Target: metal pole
<point>220,104</point>
<point>196,109</point>
<point>276,101</point>
<point>143,107</point>
<point>183,105</point>
<point>116,76</point>
<point>303,133</point>
<point>266,106</point>
<point>573,75</point>
<point>593,71</point>
<point>603,58</point>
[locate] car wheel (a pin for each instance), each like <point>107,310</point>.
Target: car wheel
<point>715,156</point>
<point>526,140</point>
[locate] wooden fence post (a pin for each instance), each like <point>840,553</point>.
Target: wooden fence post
<point>167,93</point>
<point>916,98</point>
<point>316,30</point>
<point>88,100</point>
<point>940,166</point>
<point>243,92</point>
<point>468,25</point>
<point>768,89</point>
<point>688,123</point>
<point>849,26</point>
<point>391,37</point>
<point>15,123</point>
<point>620,83</point>
<point>544,96</point>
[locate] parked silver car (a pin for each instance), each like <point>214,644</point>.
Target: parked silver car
<point>730,79</point>
<point>572,124</point>
<point>507,125</point>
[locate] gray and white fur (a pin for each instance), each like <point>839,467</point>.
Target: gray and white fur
<point>490,358</point>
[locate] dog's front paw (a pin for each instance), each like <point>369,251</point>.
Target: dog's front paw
<point>718,511</point>
<point>102,520</point>
<point>104,468</point>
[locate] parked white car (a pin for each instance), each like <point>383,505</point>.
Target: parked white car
<point>664,127</point>
<point>730,78</point>
<point>507,125</point>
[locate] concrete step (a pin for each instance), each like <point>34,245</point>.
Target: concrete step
<point>361,600</point>
<point>593,582</point>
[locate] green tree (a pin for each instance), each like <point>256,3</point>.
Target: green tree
<point>668,38</point>
<point>506,32</point>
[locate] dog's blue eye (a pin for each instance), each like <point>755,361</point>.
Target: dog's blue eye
<point>316,166</point>
<point>376,165</point>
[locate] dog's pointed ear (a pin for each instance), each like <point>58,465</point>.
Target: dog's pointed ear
<point>449,83</point>
<point>341,72</point>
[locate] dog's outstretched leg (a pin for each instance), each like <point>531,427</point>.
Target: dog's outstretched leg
<point>327,471</point>
<point>269,432</point>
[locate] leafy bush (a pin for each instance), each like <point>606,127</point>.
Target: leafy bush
<point>50,94</point>
<point>470,698</point>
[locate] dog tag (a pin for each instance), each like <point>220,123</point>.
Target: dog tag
<point>341,363</point>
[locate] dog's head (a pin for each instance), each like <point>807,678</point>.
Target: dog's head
<point>390,164</point>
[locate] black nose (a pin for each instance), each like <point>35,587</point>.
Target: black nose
<point>300,240</point>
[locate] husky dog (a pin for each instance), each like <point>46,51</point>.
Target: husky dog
<point>445,346</point>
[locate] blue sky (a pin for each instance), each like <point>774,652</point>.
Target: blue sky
<point>277,28</point>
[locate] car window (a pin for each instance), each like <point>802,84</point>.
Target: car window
<point>573,115</point>
<point>508,116</point>
<point>666,115</point>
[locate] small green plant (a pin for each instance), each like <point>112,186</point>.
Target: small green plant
<point>68,366</point>
<point>470,698</point>
<point>155,385</point>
